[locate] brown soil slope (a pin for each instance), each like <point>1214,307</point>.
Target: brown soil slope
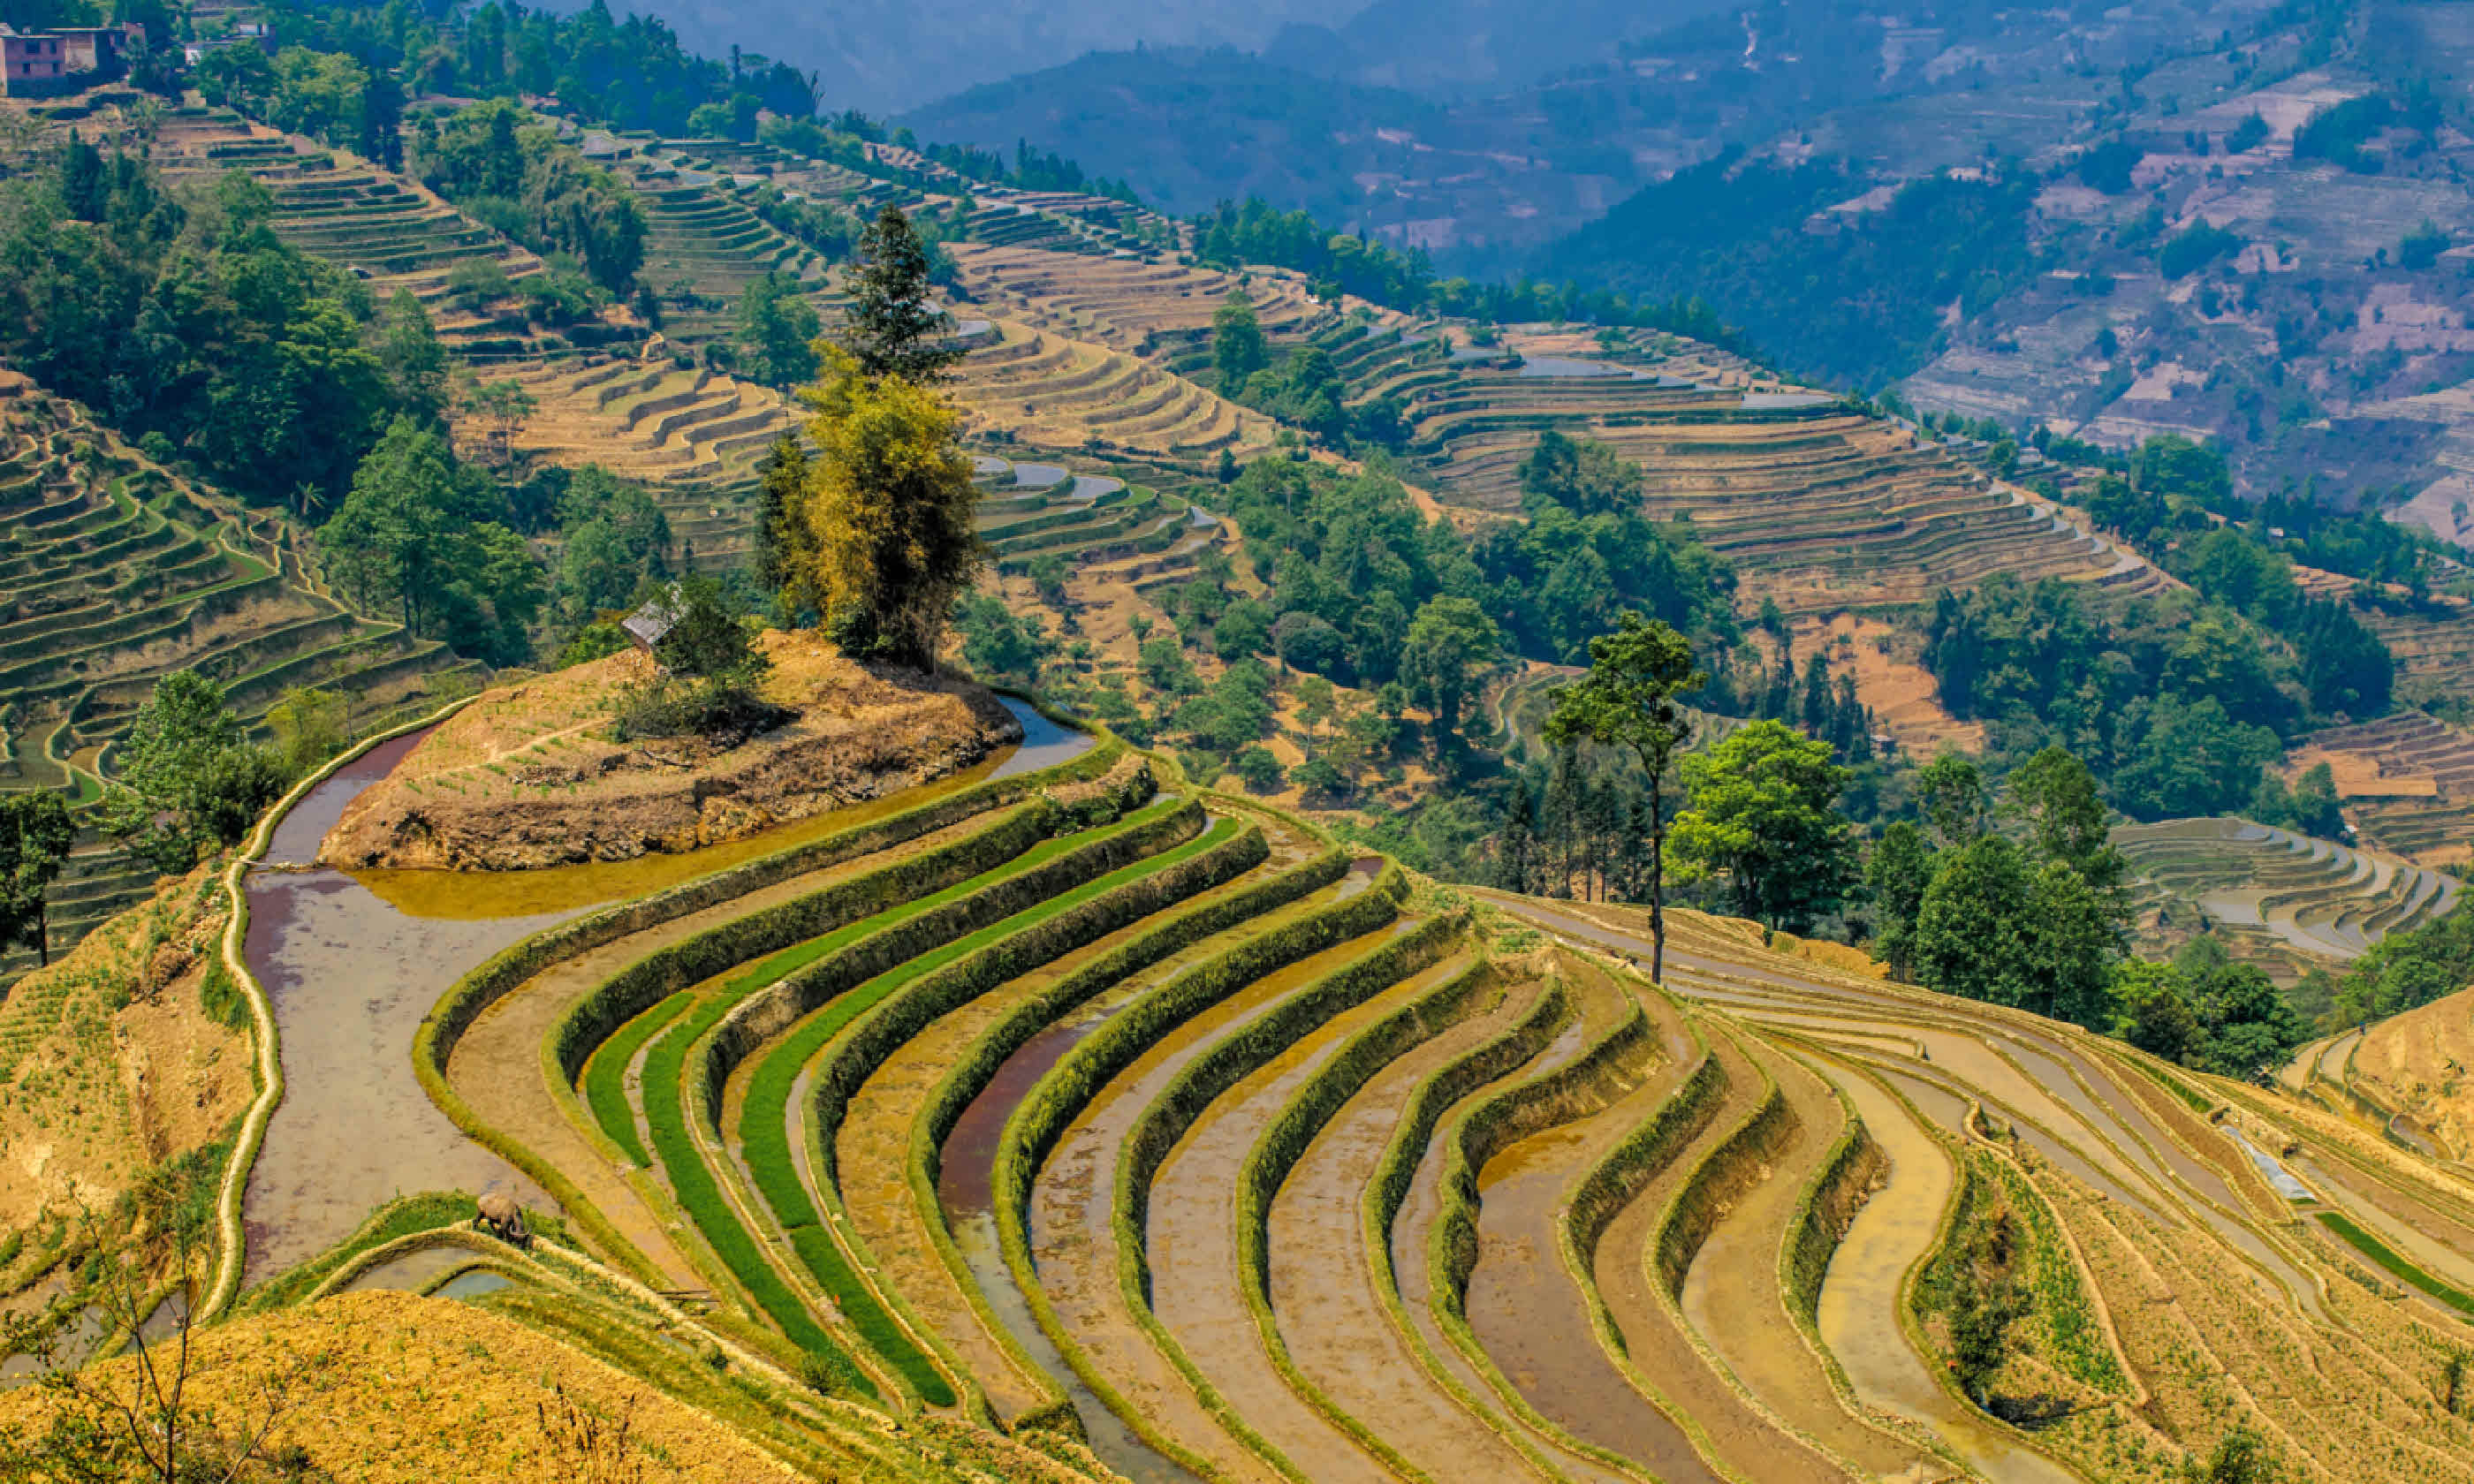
<point>2421,1064</point>
<point>110,1063</point>
<point>528,775</point>
<point>385,1386</point>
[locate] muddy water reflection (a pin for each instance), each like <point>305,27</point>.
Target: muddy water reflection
<point>349,976</point>
<point>965,1179</point>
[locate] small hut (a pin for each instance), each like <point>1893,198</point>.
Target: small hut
<point>661,613</point>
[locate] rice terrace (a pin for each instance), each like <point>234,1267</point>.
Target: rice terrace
<point>694,788</point>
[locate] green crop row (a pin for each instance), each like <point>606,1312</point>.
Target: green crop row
<point>2389,1258</point>
<point>765,1119</point>
<point>702,1198</point>
<point>971,1073</point>
<point>605,1076</point>
<point>666,1095</point>
<point>788,936</point>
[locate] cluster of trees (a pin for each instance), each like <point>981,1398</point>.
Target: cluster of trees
<point>188,778</point>
<point>509,171</point>
<point>1353,565</point>
<point>2032,915</point>
<point>2179,705</point>
<point>324,95</point>
<point>630,74</point>
<point>183,322</point>
<point>431,537</point>
<point>2405,969</point>
<point>1235,235</point>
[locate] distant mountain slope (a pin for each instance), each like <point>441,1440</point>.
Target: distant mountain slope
<point>1190,128</point>
<point>883,57</point>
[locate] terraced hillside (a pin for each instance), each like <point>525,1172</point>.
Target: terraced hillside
<point>703,247</point>
<point>692,436</point>
<point>2402,1078</point>
<point>382,226</point>
<point>1066,1097</point>
<point>114,572</point>
<point>2284,902</point>
<point>1820,509</point>
<point>1048,390</point>
<point>2407,781</point>
<point>1126,304</point>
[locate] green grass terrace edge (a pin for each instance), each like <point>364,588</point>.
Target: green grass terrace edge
<point>1052,1105</point>
<point>1229,1060</point>
<point>1603,1070</point>
<point>230,1236</point>
<point>476,991</point>
<point>1073,865</point>
<point>2396,1263</point>
<point>1388,1190</point>
<point>1065,925</point>
<point>971,1073</point>
<point>1274,1156</point>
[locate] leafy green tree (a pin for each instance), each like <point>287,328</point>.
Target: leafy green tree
<point>2311,807</point>
<point>415,361</point>
<point>1258,768</point>
<point>308,726</point>
<point>2185,758</point>
<point>777,332</point>
<point>1452,644</point>
<point>2242,1456</point>
<point>2154,1009</point>
<point>884,533</point>
<point>1585,477</point>
<point>893,328</point>
<point>1949,790</point>
<point>189,778</point>
<point>1238,348</point>
<point>425,533</point>
<point>615,544</point>
<point>2055,795</point>
<point>2247,1028</point>
<point>35,836</point>
<point>780,480</point>
<point>997,642</point>
<point>1995,927</point>
<point>1632,699</point>
<point>1764,823</point>
<point>1896,875</point>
